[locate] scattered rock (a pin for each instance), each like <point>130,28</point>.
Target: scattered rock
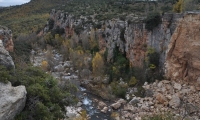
<point>104,110</point>
<point>198,84</point>
<point>190,108</point>
<point>174,102</point>
<point>79,104</point>
<point>116,105</point>
<point>148,93</point>
<point>101,105</point>
<point>121,101</point>
<point>161,99</point>
<point>177,86</point>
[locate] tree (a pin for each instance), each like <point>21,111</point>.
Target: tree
<point>98,64</point>
<point>190,5</point>
<point>85,40</point>
<point>178,6</point>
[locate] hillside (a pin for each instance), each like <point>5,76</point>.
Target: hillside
<point>31,17</point>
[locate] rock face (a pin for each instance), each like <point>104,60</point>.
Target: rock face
<point>130,38</point>
<point>12,100</point>
<point>6,45</point>
<point>183,60</point>
<point>6,37</point>
<point>175,39</point>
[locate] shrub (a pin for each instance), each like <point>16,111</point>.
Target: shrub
<point>152,20</point>
<point>4,74</point>
<point>51,24</point>
<point>132,81</point>
<point>45,100</point>
<point>119,89</point>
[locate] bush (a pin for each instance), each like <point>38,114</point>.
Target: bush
<point>132,81</point>
<point>4,74</point>
<point>45,100</point>
<point>119,89</point>
<point>152,20</point>
<point>51,24</point>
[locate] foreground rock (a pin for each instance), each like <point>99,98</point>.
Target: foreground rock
<point>12,100</point>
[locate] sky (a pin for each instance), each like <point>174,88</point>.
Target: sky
<point>12,2</point>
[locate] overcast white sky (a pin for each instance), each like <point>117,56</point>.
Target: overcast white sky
<point>12,2</point>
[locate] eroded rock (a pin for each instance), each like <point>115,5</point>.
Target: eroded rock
<point>12,100</point>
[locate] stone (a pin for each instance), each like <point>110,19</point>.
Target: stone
<point>122,101</point>
<point>101,105</point>
<point>177,86</point>
<point>174,102</point>
<point>198,84</point>
<point>149,93</point>
<point>72,112</point>
<point>191,108</point>
<point>161,99</point>
<point>134,101</point>
<point>116,105</point>
<point>79,104</point>
<point>128,107</point>
<point>160,84</point>
<point>12,100</point>
<point>104,110</point>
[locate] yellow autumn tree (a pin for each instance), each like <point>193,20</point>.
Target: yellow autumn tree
<point>97,65</point>
<point>44,65</point>
<point>178,6</point>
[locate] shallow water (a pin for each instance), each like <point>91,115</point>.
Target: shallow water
<point>91,107</point>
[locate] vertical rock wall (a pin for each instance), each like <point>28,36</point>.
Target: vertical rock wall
<point>183,59</point>
<point>177,46</point>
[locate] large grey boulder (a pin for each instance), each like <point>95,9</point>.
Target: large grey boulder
<point>12,100</point>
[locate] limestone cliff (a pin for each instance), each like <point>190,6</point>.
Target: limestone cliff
<point>131,38</point>
<point>175,39</point>
<point>183,60</point>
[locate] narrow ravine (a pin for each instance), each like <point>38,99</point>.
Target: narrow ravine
<point>87,101</point>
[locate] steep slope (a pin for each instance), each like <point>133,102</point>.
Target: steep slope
<point>29,17</point>
<point>183,60</point>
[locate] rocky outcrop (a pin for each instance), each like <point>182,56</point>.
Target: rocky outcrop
<point>6,37</point>
<point>6,45</point>
<point>183,60</point>
<point>12,100</point>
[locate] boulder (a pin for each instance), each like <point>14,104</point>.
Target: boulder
<point>161,99</point>
<point>104,110</point>
<point>12,100</point>
<point>174,102</point>
<point>101,105</point>
<point>121,101</point>
<point>177,86</point>
<point>116,105</point>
